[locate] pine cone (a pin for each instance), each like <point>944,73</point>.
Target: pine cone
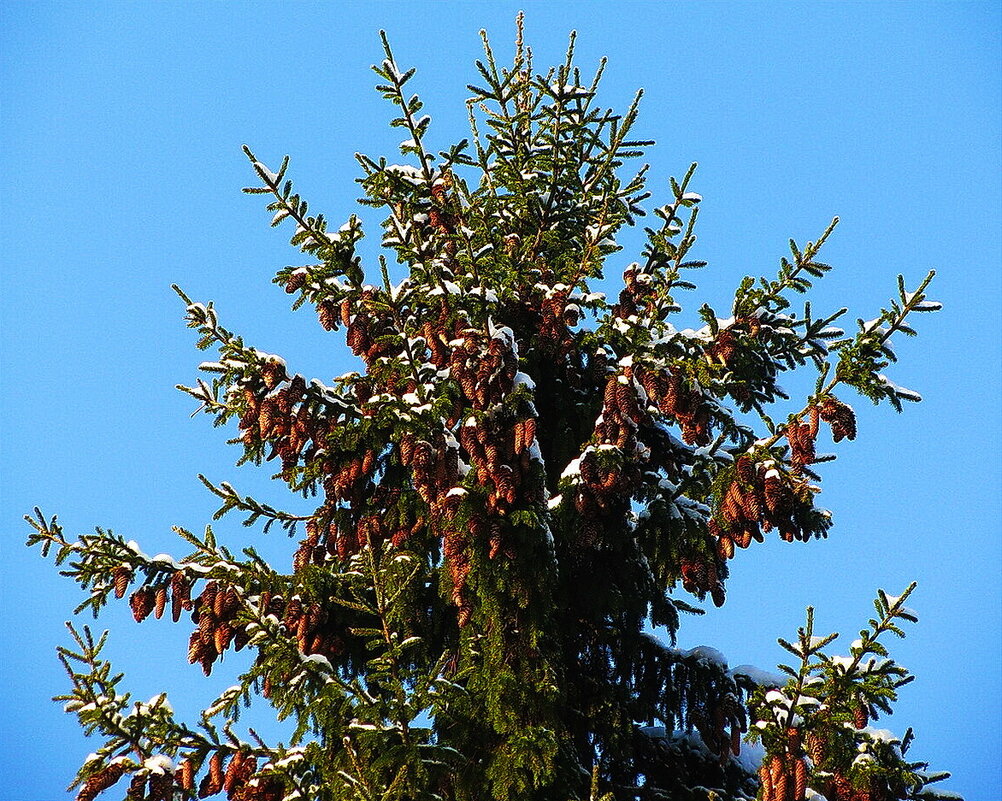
<point>185,775</point>
<point>801,443</point>
<point>161,787</point>
<point>102,780</point>
<point>272,372</point>
<point>843,789</point>
<point>221,637</point>
<point>327,314</point>
<point>266,417</point>
<point>765,777</point>
<point>233,771</point>
<point>141,602</point>
<point>815,414</point>
<point>775,769</point>
<point>296,280</point>
<point>180,597</point>
<point>840,417</point>
<point>732,507</point>
<point>195,647</point>
<point>782,787</point>
<point>743,537</point>
<point>775,491</point>
<point>137,788</point>
<point>122,577</point>
<point>746,471</point>
<point>160,601</point>
<point>800,780</point>
<point>216,772</point>
<point>724,346</point>
<point>816,748</point>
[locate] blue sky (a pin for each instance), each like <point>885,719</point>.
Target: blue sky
<point>120,151</point>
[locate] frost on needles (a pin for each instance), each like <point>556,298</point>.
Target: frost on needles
<point>524,481</point>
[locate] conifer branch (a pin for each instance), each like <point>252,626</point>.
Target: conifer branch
<point>521,479</point>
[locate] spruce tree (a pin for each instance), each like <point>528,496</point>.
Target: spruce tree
<point>515,498</point>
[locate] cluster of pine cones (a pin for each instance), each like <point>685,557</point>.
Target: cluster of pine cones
<point>556,317</point>
<point>802,436</point>
<point>152,786</point>
<point>758,498</point>
<point>761,497</point>
<point>498,442</point>
<point>326,539</point>
<point>153,598</point>
<point>784,775</point>
<point>701,576</point>
<point>638,294</point>
<point>721,729</point>
<point>784,778</point>
<point>276,411</point>
<point>215,611</point>
<point>607,481</point>
<point>673,398</point>
<point>836,785</point>
<point>236,779</point>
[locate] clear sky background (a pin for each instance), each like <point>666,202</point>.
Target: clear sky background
<point>121,164</point>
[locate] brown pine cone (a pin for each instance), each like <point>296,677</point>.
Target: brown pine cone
<point>160,601</point>
<point>185,775</point>
<point>732,507</point>
<point>295,281</point>
<point>746,471</point>
<point>840,417</point>
<point>267,415</point>
<point>222,635</point>
<point>718,594</point>
<point>843,789</point>
<point>123,576</point>
<point>216,771</point>
<point>141,602</point>
<point>180,591</point>
<point>272,372</point>
<point>816,748</point>
<point>233,771</point>
<point>518,436</point>
<point>161,787</point>
<point>327,314</point>
<point>800,780</point>
<point>742,537</point>
<point>102,780</point>
<point>782,787</point>
<point>765,777</point>
<point>344,309</point>
<point>775,769</point>
<point>724,346</point>
<point>219,603</point>
<point>195,647</point>
<point>775,492</point>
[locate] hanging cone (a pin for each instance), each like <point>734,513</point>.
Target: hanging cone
<point>123,576</point>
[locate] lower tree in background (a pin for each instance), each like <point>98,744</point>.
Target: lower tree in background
<point>513,494</point>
